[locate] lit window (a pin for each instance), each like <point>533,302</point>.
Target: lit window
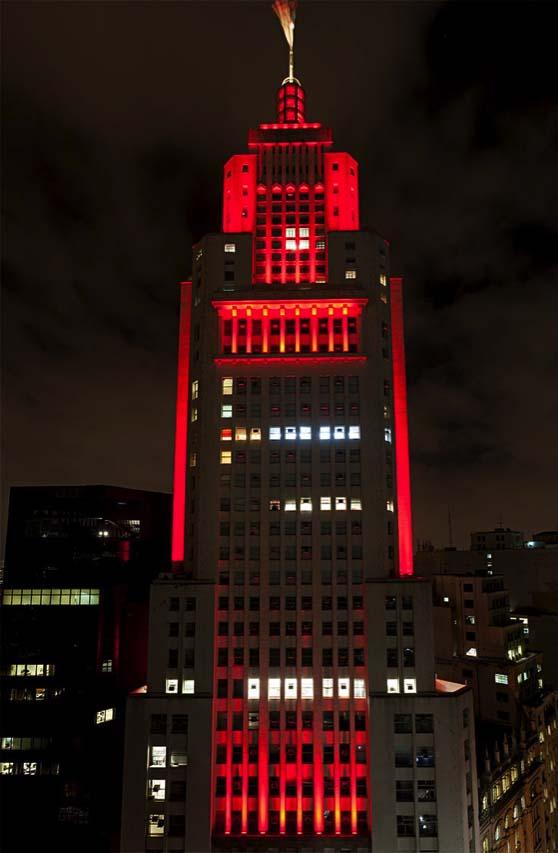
<point>340,503</point>
<point>106,665</point>
<point>350,273</point>
<point>327,688</point>
<point>290,688</point>
<point>274,505</point>
<point>290,232</point>
<point>230,248</point>
<point>325,503</point>
<point>307,688</point>
<point>472,652</point>
<point>274,433</point>
<point>226,457</point>
<point>389,506</point>
<point>253,688</point>
<point>195,389</point>
<point>501,678</point>
<point>171,685</point>
<point>303,232</point>
<point>188,685</point>
<point>274,688</point>
<point>156,824</point>
<point>320,245</point>
<point>157,789</point>
<point>194,416</point>
<point>409,685</point>
<point>306,504</point>
<point>343,687</point>
<point>193,459</point>
<point>240,434</point>
<point>325,432</point>
<point>290,433</point>
<point>356,504</point>
<point>354,432</point>
<point>305,433</point>
<point>339,432</point>
<point>51,597</point>
<point>290,505</point>
<point>387,434</point>
<point>290,245</point>
<point>158,756</point>
<point>227,385</point>
<point>104,716</point>
<point>255,434</point>
<point>359,688</point>
<point>383,280</point>
<point>393,685</point>
<point>226,434</point>
<point>178,759</point>
<point>303,244</point>
<point>226,411</point>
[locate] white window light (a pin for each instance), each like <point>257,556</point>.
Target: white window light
<point>393,685</point>
<point>104,716</point>
<point>501,678</point>
<point>290,433</point>
<point>307,688</point>
<point>356,504</point>
<point>325,503</point>
<point>274,505</point>
<point>290,232</point>
<point>253,688</point>
<point>305,433</point>
<point>290,688</point>
<point>303,232</point>
<point>389,506</point>
<point>240,434</point>
<point>178,759</point>
<point>383,280</point>
<point>188,686</point>
<point>274,433</point>
<point>157,789</point>
<point>445,599</point>
<point>340,503</point>
<point>409,685</point>
<point>227,385</point>
<point>306,504</point>
<point>274,688</point>
<point>359,688</point>
<point>354,432</point>
<point>171,685</point>
<point>158,756</point>
<point>350,273</point>
<point>387,434</point>
<point>226,457</point>
<point>290,505</point>
<point>194,415</point>
<point>344,688</point>
<point>156,824</point>
<point>325,433</point>
<point>320,245</point>
<point>226,410</point>
<point>195,389</point>
<point>230,248</point>
<point>304,244</point>
<point>327,688</point>
<point>290,245</point>
<point>255,434</point>
<point>472,652</point>
<point>339,432</point>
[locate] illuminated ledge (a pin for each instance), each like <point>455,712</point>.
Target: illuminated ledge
<point>443,686</point>
<point>280,358</point>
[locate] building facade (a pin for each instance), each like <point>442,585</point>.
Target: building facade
<point>292,699</point>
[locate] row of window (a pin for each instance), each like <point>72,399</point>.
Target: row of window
<point>290,527</point>
<point>289,479</point>
<point>291,433</point>
<point>327,503</point>
<point>158,757</point>
<point>29,768</point>
<point>25,743</point>
<point>290,722</point>
<point>291,787</point>
<point>288,688</point>
<point>290,753</point>
<point>157,790</point>
<point>290,825</point>
<point>290,552</point>
<point>35,694</point>
<point>407,826</point>
<point>50,596</point>
<point>289,385</point>
<point>423,791</point>
<point>291,655</point>
<point>403,723</point>
<point>156,825</point>
<point>31,670</point>
<point>290,602</point>
<point>291,576</point>
<point>291,629</point>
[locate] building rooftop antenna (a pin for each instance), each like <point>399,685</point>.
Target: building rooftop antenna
<point>286,12</point>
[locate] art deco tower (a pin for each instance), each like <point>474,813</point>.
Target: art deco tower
<point>292,699</point>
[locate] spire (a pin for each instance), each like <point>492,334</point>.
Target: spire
<point>286,12</point>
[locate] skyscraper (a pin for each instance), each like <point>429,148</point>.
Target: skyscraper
<point>291,697</point>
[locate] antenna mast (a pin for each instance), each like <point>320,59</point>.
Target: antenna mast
<point>286,12</point>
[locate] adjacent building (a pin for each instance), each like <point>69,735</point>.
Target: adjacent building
<point>292,700</point>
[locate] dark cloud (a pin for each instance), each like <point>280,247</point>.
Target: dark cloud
<point>117,120</point>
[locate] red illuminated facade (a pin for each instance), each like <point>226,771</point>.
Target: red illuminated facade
<point>288,634</point>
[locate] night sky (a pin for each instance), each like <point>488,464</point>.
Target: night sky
<point>118,117</point>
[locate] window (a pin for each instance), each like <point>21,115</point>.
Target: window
<point>274,688</point>
<point>253,688</point>
<point>230,248</point>
<point>359,688</point>
<point>428,826</point>
<point>171,685</point>
<point>104,716</point>
<point>325,503</point>
<point>307,688</point>
<point>158,756</point>
<point>306,504</point>
<point>343,688</point>
<point>327,688</point>
<point>392,685</point>
<point>325,433</point>
<point>350,273</point>
<point>404,792</point>
<point>426,791</point>
<point>500,678</point>
<point>341,504</point>
<point>402,724</point>
<point>188,686</point>
<point>425,756</point>
<point>157,789</point>
<point>471,652</point>
<point>389,506</point>
<point>290,688</point>
<point>226,386</point>
<point>290,505</point>
<point>405,826</point>
<point>356,504</point>
<point>305,433</point>
<point>387,435</point>
<point>226,411</point>
<point>424,723</point>
<point>354,432</point>
<point>409,685</point>
<point>339,432</point>
<point>156,825</point>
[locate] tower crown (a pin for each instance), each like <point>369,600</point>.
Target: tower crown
<point>290,102</point>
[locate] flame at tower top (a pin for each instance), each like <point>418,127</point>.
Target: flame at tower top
<point>286,12</point>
